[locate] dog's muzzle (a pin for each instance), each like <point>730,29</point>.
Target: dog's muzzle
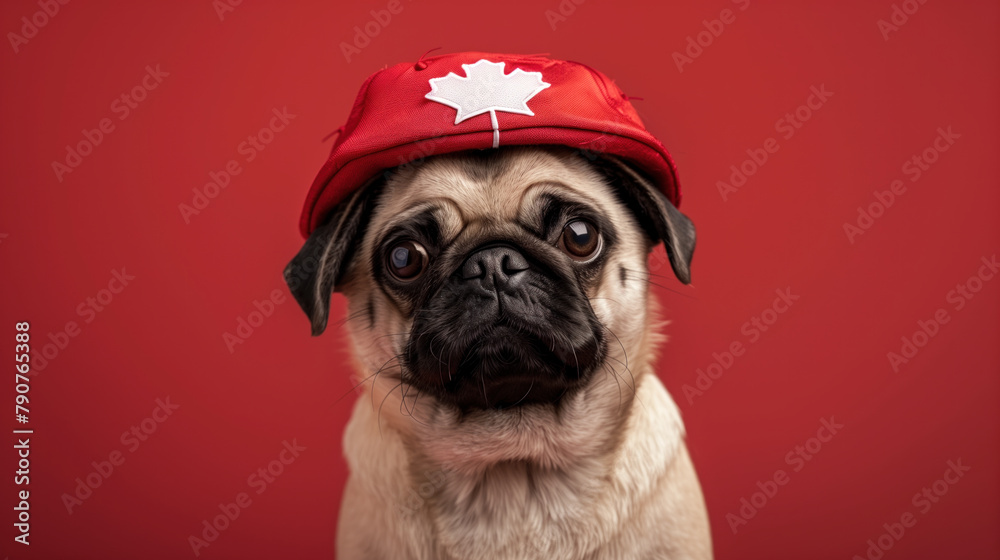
<point>504,330</point>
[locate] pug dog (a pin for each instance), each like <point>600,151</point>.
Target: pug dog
<point>504,338</point>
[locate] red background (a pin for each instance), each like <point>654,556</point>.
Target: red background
<point>826,356</point>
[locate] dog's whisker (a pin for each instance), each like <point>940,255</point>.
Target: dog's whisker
<point>635,395</point>
<point>402,404</point>
<point>378,338</point>
<point>378,415</point>
<point>402,401</point>
<point>350,317</point>
<point>629,370</point>
<point>374,376</point>
<point>649,272</point>
<point>363,381</point>
<point>624,351</point>
<point>605,298</point>
<point>650,282</point>
<point>431,348</point>
<point>440,362</point>
<point>413,408</point>
<point>525,393</point>
<point>614,375</point>
<point>624,365</point>
<point>449,366</point>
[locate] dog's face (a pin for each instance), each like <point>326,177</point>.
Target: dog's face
<point>495,295</point>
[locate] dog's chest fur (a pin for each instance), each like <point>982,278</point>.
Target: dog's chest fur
<point>605,506</point>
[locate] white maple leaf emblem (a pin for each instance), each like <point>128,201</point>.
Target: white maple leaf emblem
<point>487,89</point>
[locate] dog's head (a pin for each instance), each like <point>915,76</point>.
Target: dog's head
<point>495,291</point>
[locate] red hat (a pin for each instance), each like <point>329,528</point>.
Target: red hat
<point>479,100</point>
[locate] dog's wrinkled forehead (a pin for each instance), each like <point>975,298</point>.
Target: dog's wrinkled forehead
<point>489,187</point>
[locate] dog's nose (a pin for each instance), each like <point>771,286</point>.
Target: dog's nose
<point>494,266</point>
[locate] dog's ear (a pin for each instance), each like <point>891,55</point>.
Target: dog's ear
<point>317,271</point>
<point>659,218</point>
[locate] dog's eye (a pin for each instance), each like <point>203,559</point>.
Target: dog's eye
<point>580,240</point>
<point>406,260</point>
